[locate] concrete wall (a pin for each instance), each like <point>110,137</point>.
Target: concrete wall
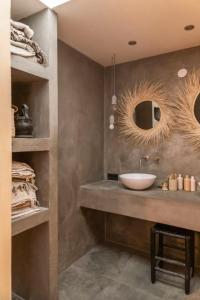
<point>82,123</point>
<point>81,98</point>
<point>175,154</point>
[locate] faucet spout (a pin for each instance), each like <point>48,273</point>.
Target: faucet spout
<point>140,163</point>
<point>146,158</point>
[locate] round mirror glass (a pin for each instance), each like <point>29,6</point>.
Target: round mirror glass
<point>147,114</point>
<point>197,108</point>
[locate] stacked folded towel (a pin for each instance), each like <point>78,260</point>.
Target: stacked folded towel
<point>22,171</point>
<point>22,44</point>
<point>24,200</point>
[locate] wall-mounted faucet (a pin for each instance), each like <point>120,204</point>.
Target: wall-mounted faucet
<point>147,158</point>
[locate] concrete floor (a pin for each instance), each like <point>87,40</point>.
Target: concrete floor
<point>110,273</point>
<point>16,297</point>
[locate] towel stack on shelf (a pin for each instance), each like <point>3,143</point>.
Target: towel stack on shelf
<point>24,200</point>
<point>22,44</point>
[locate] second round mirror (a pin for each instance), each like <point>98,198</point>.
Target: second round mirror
<point>197,108</point>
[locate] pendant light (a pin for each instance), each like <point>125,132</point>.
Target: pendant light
<point>112,122</point>
<point>114,97</point>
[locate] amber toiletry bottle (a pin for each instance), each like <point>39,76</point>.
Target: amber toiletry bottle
<point>173,183</point>
<point>187,183</point>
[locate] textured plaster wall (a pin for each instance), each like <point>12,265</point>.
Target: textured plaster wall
<point>84,137</point>
<point>175,154</point>
<point>81,97</point>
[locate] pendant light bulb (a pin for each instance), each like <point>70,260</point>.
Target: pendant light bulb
<point>112,122</point>
<point>114,102</point>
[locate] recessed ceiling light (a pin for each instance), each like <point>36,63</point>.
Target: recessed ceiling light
<point>132,43</point>
<point>189,27</point>
<point>53,3</point>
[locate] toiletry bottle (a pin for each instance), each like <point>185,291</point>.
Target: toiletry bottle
<point>198,186</point>
<point>180,182</point>
<point>170,182</point>
<point>165,186</point>
<point>193,184</point>
<point>187,183</point>
<point>173,183</point>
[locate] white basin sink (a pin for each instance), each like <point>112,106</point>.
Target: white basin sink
<point>137,181</point>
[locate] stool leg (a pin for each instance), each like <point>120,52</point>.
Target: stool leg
<point>153,253</point>
<point>160,249</point>
<point>192,251</point>
<point>187,264</point>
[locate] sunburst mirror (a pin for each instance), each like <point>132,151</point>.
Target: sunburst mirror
<point>145,115</point>
<point>188,105</point>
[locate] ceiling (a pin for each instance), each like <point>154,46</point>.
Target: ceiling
<point>99,28</point>
<point>24,8</point>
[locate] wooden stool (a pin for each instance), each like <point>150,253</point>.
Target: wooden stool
<point>157,256</point>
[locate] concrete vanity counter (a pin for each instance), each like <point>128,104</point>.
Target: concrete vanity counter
<point>174,208</point>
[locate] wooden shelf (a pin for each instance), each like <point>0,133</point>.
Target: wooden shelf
<point>25,70</point>
<point>30,144</point>
<point>27,222</point>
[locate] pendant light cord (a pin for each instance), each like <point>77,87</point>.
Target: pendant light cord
<point>114,74</point>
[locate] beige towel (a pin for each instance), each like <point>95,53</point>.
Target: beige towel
<point>23,197</point>
<point>21,52</point>
<point>22,171</point>
<point>23,46</point>
<point>22,34</point>
<point>25,29</point>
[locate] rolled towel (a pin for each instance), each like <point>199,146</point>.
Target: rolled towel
<point>23,46</point>
<point>21,52</point>
<point>19,32</point>
<point>23,27</point>
<point>41,56</point>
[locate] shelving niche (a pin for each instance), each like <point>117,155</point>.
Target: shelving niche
<point>34,245</point>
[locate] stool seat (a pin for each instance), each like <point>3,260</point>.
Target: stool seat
<point>172,231</point>
<point>158,234</point>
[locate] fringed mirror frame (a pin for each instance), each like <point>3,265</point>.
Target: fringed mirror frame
<point>145,91</point>
<point>185,104</point>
